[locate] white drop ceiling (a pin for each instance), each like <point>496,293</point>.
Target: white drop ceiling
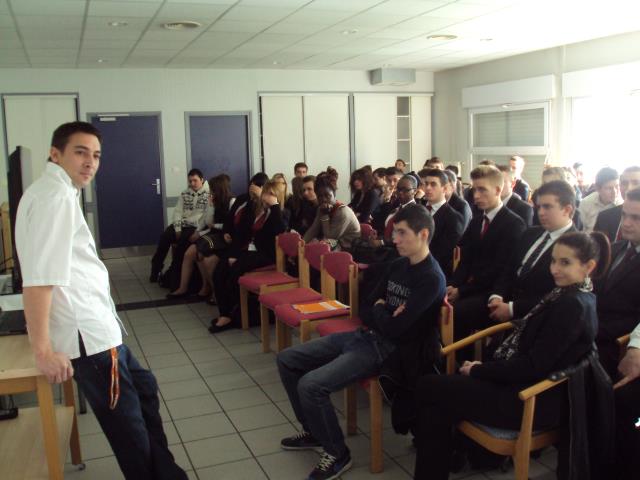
<point>297,34</point>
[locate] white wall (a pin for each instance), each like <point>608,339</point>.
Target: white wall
<point>172,92</point>
<point>450,121</point>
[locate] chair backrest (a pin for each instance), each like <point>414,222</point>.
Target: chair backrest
<point>446,331</point>
<point>339,268</point>
<point>286,246</point>
<point>456,257</point>
<point>310,254</point>
<point>366,231</point>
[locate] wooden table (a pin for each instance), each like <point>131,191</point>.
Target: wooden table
<point>33,445</point>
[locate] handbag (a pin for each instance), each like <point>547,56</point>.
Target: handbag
<point>211,243</point>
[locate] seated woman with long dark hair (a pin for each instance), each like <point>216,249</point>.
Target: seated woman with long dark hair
<point>556,334</point>
<point>208,242</point>
<point>261,224</point>
<point>365,199</point>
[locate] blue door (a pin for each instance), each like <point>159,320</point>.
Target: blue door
<point>129,181</point>
<point>220,144</point>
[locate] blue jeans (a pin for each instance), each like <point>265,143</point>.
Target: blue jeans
<point>311,371</point>
<point>134,428</point>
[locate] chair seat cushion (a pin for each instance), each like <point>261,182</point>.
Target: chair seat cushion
<point>338,326</point>
<point>292,317</point>
<point>266,268</point>
<point>255,281</point>
<point>501,433</point>
<point>294,295</point>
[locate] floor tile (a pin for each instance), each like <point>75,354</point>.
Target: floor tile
<point>151,338</point>
<point>99,469</point>
<point>243,470</point>
<point>162,348</point>
<point>168,360</point>
<point>242,398</point>
<point>149,328</point>
<point>208,355</point>
<point>236,337</point>
<point>391,472</point>
<point>181,457</point>
<point>217,450</point>
<point>289,465</point>
<point>202,343</point>
<point>275,391</point>
<point>218,367</point>
<point>267,375</point>
<point>95,445</point>
<point>265,441</point>
<point>88,424</point>
<point>192,406</point>
<point>256,417</point>
<point>243,349</point>
<point>204,426</point>
<point>171,433</point>
<point>229,381</point>
<point>182,389</point>
<point>175,374</point>
<point>257,361</point>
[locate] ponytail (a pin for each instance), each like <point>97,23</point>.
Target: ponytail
<point>594,246</point>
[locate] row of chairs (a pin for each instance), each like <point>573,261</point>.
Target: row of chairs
<point>277,291</point>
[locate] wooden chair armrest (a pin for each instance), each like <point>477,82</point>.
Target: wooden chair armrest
<point>471,339</point>
<point>539,387</point>
<point>623,341</point>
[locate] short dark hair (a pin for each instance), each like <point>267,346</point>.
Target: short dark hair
<point>631,169</point>
<point>300,165</point>
<point>411,178</point>
<point>451,177</point>
<point>309,178</point>
<point>434,172</point>
<point>259,179</point>
<point>417,217</point>
<point>453,168</point>
<point>393,171</point>
<point>380,172</point>
<point>561,189</point>
<point>195,171</point>
<point>606,174</point>
<point>504,168</point>
<point>430,162</point>
<point>365,177</point>
<point>401,160</point>
<point>633,195</point>
<point>62,134</point>
<point>593,246</point>
<point>488,161</point>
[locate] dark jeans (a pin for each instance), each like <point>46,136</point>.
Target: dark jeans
<point>446,399</point>
<point>225,279</point>
<point>311,371</point>
<point>168,238</point>
<point>628,435</point>
<point>134,427</point>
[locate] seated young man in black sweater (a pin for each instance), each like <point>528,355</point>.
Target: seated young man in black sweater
<point>399,313</point>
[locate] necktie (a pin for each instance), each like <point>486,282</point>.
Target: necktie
<point>628,256</point>
<point>485,226</point>
<point>534,256</point>
<point>619,234</point>
<point>430,208</point>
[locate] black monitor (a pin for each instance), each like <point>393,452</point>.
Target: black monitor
<point>15,183</point>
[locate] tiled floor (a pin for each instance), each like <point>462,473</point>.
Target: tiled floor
<point>222,402</point>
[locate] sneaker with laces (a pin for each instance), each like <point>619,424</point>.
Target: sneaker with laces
<point>300,441</point>
<point>330,467</point>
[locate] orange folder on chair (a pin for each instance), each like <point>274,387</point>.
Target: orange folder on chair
<point>319,307</point>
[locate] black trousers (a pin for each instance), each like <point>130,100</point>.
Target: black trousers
<point>470,313</point>
<point>168,238</point>
<point>225,279</point>
<point>444,400</point>
<point>627,433</point>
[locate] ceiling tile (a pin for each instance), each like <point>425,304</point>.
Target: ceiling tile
<point>318,17</point>
<point>103,22</point>
<point>409,7</point>
<point>275,3</point>
<point>369,19</point>
<point>52,52</point>
<point>123,9</point>
<point>193,12</point>
<point>343,5</point>
<point>395,33</point>
<point>51,33</point>
<point>108,44</point>
<point>462,12</point>
<point>277,38</point>
<point>48,7</point>
<point>211,2</point>
<point>258,14</point>
<point>49,43</point>
<point>295,28</point>
<point>6,21</point>
<point>425,23</point>
<point>224,25</point>
<point>60,21</point>
<point>221,38</point>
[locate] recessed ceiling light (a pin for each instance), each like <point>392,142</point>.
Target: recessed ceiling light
<point>117,24</point>
<point>275,62</point>
<point>442,37</point>
<point>182,25</point>
<point>506,105</point>
<point>102,60</point>
<point>349,32</point>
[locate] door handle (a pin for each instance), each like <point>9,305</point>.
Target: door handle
<point>157,185</point>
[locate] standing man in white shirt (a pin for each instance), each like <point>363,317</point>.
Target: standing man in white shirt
<point>607,195</point>
<point>73,326</point>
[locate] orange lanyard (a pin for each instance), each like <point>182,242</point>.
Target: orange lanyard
<point>114,393</point>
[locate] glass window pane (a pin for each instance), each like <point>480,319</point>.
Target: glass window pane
<point>534,164</point>
<point>404,151</point>
<point>404,128</point>
<point>403,106</point>
<point>509,128</point>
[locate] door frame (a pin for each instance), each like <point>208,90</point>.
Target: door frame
<point>187,129</point>
<point>93,206</point>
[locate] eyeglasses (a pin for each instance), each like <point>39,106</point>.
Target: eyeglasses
<point>405,190</point>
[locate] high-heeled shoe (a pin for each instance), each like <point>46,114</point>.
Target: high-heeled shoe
<point>176,296</point>
<point>213,328</point>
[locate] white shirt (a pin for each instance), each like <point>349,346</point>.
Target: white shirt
<point>56,248</point>
<point>436,206</point>
<point>590,207</point>
<point>553,236</point>
<point>491,214</point>
<point>634,342</point>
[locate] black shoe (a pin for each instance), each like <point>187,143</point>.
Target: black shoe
<point>153,278</point>
<point>220,328</point>
<point>330,467</point>
<point>300,441</point>
<point>172,295</point>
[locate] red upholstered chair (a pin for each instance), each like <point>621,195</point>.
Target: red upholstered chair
<point>309,255</point>
<point>337,268</point>
<point>372,387</point>
<point>366,231</point>
<point>266,279</point>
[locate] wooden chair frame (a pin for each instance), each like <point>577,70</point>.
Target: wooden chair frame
<point>244,293</point>
<point>328,290</point>
<point>375,399</point>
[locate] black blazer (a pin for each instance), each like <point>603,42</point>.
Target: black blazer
<point>526,290</point>
<point>265,238</point>
<point>364,207</point>
<point>618,298</point>
<point>520,208</point>
<point>483,259</point>
<point>380,215</point>
<point>461,206</point>
<point>449,227</point>
<point>608,222</point>
<point>522,188</point>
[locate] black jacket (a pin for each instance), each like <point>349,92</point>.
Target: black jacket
<point>301,219</point>
<point>520,208</point>
<point>364,206</point>
<point>522,188</point>
<point>527,290</point>
<point>608,222</point>
<point>461,206</point>
<point>265,238</point>
<point>449,227</point>
<point>484,258</point>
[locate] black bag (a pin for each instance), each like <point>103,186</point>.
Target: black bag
<point>362,252</point>
<point>211,243</point>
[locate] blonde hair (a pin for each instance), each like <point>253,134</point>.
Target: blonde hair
<point>489,172</point>
<point>276,188</point>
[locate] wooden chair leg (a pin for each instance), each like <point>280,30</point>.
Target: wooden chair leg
<point>375,408</point>
<point>351,408</point>
<point>305,331</point>
<point>521,465</point>
<point>265,336</point>
<point>49,429</point>
<point>244,308</point>
<point>74,442</point>
<point>281,335</point>
<point>523,445</point>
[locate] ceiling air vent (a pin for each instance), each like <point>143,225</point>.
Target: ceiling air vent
<point>182,25</point>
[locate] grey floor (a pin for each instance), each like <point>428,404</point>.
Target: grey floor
<point>222,402</point>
